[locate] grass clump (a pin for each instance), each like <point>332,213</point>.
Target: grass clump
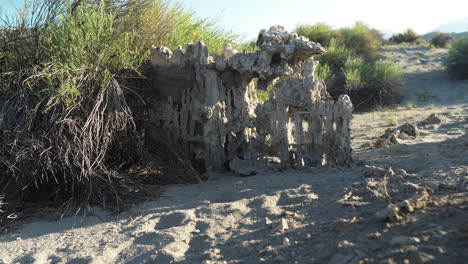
<point>410,105</point>
<point>69,129</point>
<point>441,40</point>
<point>430,106</point>
<point>390,118</point>
<point>457,61</point>
<point>350,64</point>
<point>376,83</point>
<point>409,36</point>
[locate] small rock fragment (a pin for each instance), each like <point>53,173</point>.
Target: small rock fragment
<point>375,235</point>
<point>410,129</point>
<point>367,145</point>
<point>373,171</point>
<point>433,119</point>
<point>390,213</point>
<point>382,143</point>
<point>281,226</point>
<point>345,247</point>
<point>406,206</point>
<point>404,136</point>
<point>288,214</point>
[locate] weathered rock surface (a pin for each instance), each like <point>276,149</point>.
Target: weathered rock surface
<point>207,103</point>
<point>433,119</point>
<point>410,129</point>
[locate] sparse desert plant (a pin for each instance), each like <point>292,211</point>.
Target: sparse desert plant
<point>319,32</point>
<point>441,40</point>
<point>390,118</point>
<point>409,36</point>
<point>410,105</point>
<point>430,106</point>
<point>457,61</point>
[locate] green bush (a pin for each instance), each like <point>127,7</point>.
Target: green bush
<point>457,61</point>
<point>360,39</point>
<point>364,41</point>
<point>409,36</point>
<point>350,66</point>
<point>441,40</point>
<point>373,83</point>
<point>320,32</point>
<point>336,56</point>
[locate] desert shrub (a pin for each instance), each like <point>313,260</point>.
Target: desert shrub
<point>441,40</point>
<point>373,83</point>
<point>457,61</point>
<point>361,39</point>
<point>409,36</point>
<point>350,66</point>
<point>336,56</point>
<point>319,32</point>
<point>368,82</point>
<point>364,41</point>
<point>357,73</point>
<point>66,122</point>
<point>68,132</point>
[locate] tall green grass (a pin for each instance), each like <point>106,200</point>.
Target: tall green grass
<point>165,23</point>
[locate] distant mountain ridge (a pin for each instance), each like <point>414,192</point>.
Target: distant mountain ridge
<point>428,36</point>
<point>457,25</point>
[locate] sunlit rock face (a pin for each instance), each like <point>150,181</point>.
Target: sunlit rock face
<point>207,103</point>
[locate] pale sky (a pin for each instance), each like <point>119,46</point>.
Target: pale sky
<point>247,17</point>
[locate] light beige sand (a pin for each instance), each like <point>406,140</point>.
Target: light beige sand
<point>326,215</point>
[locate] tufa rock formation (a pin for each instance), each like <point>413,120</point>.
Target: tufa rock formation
<point>207,104</point>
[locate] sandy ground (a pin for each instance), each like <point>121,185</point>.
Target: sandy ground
<point>415,212</point>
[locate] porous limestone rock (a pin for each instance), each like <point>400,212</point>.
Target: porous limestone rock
<point>207,104</point>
